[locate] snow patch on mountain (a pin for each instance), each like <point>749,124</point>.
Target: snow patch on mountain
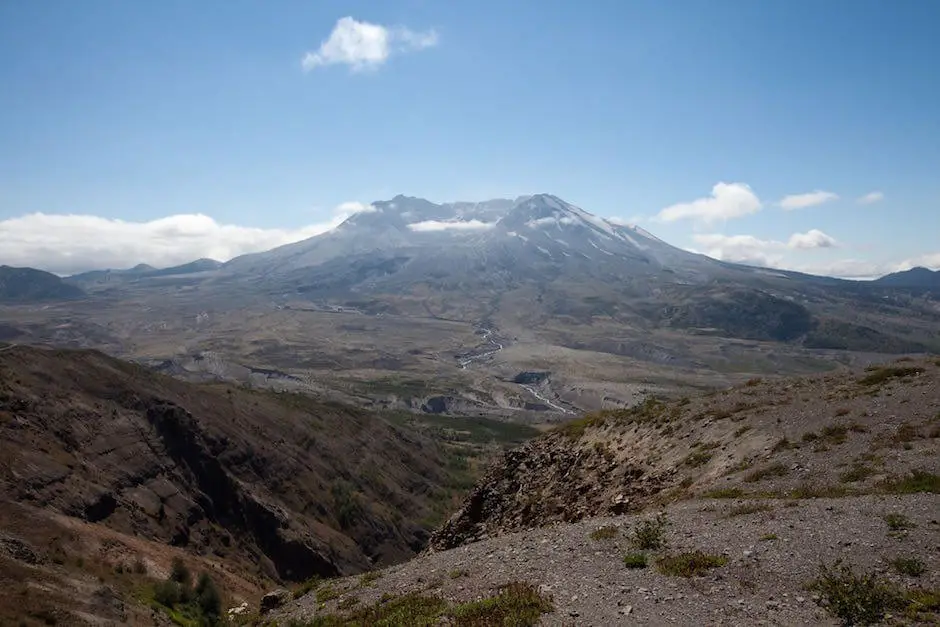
<point>450,225</point>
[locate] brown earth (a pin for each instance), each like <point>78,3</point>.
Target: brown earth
<point>104,464</point>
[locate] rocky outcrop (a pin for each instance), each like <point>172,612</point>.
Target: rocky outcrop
<point>550,479</point>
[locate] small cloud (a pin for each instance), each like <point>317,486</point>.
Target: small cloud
<point>813,238</point>
<point>728,200</point>
<point>363,46</point>
<point>871,198</point>
<point>631,221</point>
<point>352,207</point>
<point>811,199</point>
<point>440,225</point>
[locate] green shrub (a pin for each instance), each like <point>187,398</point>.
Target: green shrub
<point>208,599</point>
<point>697,459</point>
<point>748,508</point>
<point>689,564</point>
<point>774,470</point>
<point>635,560</point>
<point>916,481</point>
<point>179,572</point>
<point>650,534</point>
<point>725,493</point>
<point>880,375</point>
<point>899,522</point>
<point>855,599</point>
<point>910,566</point>
<point>516,603</point>
<point>607,532</point>
<point>858,472</point>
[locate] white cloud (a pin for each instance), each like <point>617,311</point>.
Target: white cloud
<point>871,198</point>
<point>728,200</point>
<point>362,45</point>
<point>811,199</point>
<point>631,221</point>
<point>754,250</point>
<point>813,238</point>
<point>349,208</point>
<point>440,225</point>
<point>67,244</point>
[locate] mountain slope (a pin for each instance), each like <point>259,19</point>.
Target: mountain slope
<point>913,278</point>
<point>123,465</point>
<point>27,285</point>
<point>719,509</point>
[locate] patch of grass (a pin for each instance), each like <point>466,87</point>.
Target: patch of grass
<point>326,593</point>
<point>858,472</point>
<point>818,491</point>
<point>697,459</point>
<point>724,493</point>
<point>306,587</point>
<point>576,428</point>
<point>878,375</point>
<point>915,482</point>
<point>457,573</point>
<point>369,578</point>
<point>853,598</point>
<point>742,430</point>
<point>767,537</point>
<point>781,445</point>
<point>747,508</point>
<point>650,535</point>
<point>774,470</point>
<point>910,566</point>
<point>834,434</point>
<point>516,603</point>
<point>842,411</point>
<point>899,522</point>
<point>185,604</point>
<point>753,382</point>
<point>348,603</point>
<point>689,564</point>
<point>635,560</point>
<point>906,433</point>
<point>809,436</point>
<point>607,532</point>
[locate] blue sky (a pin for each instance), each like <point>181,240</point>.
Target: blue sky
<point>201,128</point>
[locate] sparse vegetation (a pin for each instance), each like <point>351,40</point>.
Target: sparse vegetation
<point>916,481</point>
<point>369,578</point>
<point>858,472</point>
<point>774,470</point>
<point>741,431</point>
<point>650,535</point>
<point>689,564</point>
<point>607,532</point>
<point>725,493</point>
<point>635,560</point>
<point>457,573</point>
<point>697,459</point>
<point>818,491</point>
<point>880,374</point>
<point>767,537</point>
<point>899,522</point>
<point>855,599</point>
<point>186,605</point>
<point>910,566</point>
<point>748,508</point>
<point>306,587</point>
<point>781,445</point>
<point>326,593</point>
<point>519,604</point>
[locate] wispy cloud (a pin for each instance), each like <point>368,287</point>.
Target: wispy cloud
<point>871,198</point>
<point>454,225</point>
<point>728,200</point>
<point>363,46</point>
<point>66,244</point>
<point>811,199</point>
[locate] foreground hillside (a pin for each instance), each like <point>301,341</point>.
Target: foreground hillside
<point>109,471</point>
<point>729,508</point>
